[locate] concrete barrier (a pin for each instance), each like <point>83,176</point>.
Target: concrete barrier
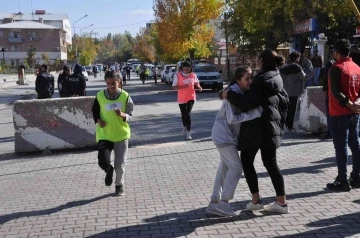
<point>312,116</point>
<point>49,124</point>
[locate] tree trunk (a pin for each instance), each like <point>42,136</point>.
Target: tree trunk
<point>192,54</point>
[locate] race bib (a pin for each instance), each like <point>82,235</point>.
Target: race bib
<point>113,106</point>
<point>187,81</point>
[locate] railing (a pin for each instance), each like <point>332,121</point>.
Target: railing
<point>15,40</point>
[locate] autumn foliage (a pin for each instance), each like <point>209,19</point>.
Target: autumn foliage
<point>182,26</point>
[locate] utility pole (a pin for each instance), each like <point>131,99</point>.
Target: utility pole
<point>226,18</point>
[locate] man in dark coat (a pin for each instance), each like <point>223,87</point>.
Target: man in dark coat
<point>63,82</point>
<point>77,82</point>
<point>44,84</point>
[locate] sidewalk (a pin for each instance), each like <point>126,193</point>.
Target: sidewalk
<point>168,183</point>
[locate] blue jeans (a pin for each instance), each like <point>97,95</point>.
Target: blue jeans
<point>317,76</point>
<point>345,131</point>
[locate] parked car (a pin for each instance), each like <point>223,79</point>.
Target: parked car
<point>89,70</point>
<point>209,77</point>
<point>169,75</point>
<point>166,71</point>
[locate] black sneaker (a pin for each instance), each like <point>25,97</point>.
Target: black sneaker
<point>119,190</point>
<point>339,186</point>
<point>109,176</point>
<point>354,182</point>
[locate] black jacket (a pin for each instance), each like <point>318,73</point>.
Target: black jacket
<point>44,85</point>
<point>63,85</point>
<point>77,82</point>
<point>267,131</point>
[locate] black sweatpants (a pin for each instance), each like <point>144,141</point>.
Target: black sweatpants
<point>185,113</point>
<point>268,157</point>
<point>291,113</point>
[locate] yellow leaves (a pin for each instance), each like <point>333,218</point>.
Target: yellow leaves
<point>142,47</point>
<point>182,25</point>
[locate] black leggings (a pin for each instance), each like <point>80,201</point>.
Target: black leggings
<point>104,152</point>
<point>268,157</point>
<point>185,113</point>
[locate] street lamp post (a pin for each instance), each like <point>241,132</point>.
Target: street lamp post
<point>85,28</point>
<point>226,17</point>
<point>75,37</point>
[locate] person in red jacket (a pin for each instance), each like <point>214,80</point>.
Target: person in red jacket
<point>344,87</point>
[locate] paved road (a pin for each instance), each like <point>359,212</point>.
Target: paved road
<point>168,183</point>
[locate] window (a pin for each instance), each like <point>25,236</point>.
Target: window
<point>17,62</point>
<point>33,34</point>
<point>17,34</point>
<point>28,34</point>
<point>1,34</point>
<point>16,48</point>
<point>12,62</point>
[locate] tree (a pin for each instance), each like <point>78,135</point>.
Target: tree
<point>30,59</point>
<point>256,24</point>
<point>87,49</point>
<point>182,26</point>
<point>46,58</point>
<point>142,47</point>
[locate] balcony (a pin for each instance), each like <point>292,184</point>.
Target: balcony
<point>15,40</point>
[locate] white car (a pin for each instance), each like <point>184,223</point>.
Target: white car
<point>166,68</point>
<point>169,75</point>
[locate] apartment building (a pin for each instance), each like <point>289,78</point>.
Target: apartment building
<point>18,37</point>
<point>57,20</point>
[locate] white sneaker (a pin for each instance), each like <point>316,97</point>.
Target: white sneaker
<point>211,209</point>
<point>255,206</point>
<point>188,135</point>
<point>225,209</point>
<point>275,207</point>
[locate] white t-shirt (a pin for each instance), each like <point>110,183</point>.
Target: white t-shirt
<point>176,79</point>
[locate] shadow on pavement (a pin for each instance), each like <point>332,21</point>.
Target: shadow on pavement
<point>17,215</point>
<point>185,223</point>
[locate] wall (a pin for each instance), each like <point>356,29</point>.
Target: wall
<point>61,123</point>
<point>312,116</point>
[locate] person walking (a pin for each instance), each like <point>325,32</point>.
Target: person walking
<point>128,71</point>
<point>112,110</point>
<point>77,82</point>
<point>224,135</point>
<point>142,73</point>
<point>344,109</point>
<point>44,84</point>
<point>293,78</point>
<point>185,82</point>
<point>307,66</point>
<point>123,74</point>
<point>317,62</point>
<point>63,82</point>
<point>265,133</point>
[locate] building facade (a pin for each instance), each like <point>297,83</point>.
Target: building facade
<point>18,37</point>
<point>57,20</point>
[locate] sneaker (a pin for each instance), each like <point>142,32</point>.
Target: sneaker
<point>354,182</point>
<point>276,207</point>
<point>211,208</point>
<point>255,206</point>
<point>188,135</point>
<point>109,176</point>
<point>119,190</point>
<point>339,186</point>
<point>225,209</point>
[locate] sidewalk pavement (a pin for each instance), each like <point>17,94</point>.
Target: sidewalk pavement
<point>168,183</point>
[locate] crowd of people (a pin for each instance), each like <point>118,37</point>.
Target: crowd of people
<point>254,115</point>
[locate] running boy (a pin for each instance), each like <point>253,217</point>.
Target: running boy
<point>112,110</point>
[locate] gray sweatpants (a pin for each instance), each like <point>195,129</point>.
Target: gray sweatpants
<point>120,151</point>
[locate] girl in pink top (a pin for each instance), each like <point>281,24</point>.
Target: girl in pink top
<point>185,82</point>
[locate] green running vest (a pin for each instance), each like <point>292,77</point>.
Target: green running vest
<point>116,128</point>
